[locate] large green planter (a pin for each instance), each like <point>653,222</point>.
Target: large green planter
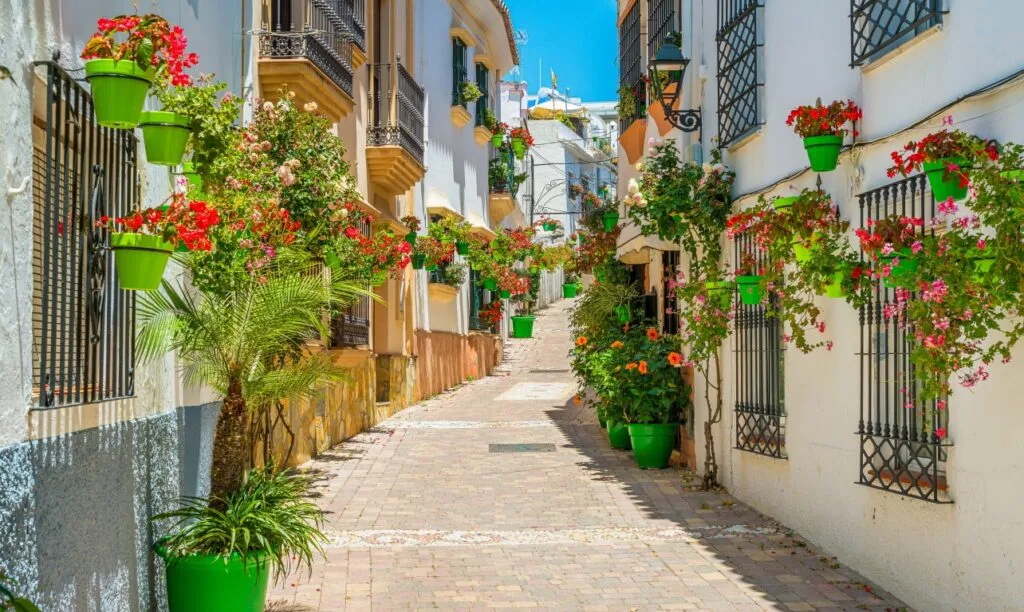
<point>652,444</point>
<point>900,274</point>
<point>610,220</point>
<point>569,290</point>
<point>119,90</point>
<point>519,148</point>
<point>140,260</point>
<point>944,188</point>
<point>618,435</point>
<point>721,290</point>
<point>505,294</point>
<point>165,135</point>
<point>496,140</point>
<point>823,152</point>
<point>205,583</point>
<point>462,247</point>
<point>749,289</point>
<point>418,261</point>
<point>522,326</point>
<point>491,284</point>
<point>784,203</point>
<point>622,312</point>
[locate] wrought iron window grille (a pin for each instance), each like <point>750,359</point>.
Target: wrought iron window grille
<point>83,325</point>
<point>631,69</point>
<point>459,71</point>
<point>482,76</point>
<point>900,451</point>
<point>760,384</point>
<point>661,16</point>
<point>351,326</point>
<point>396,118</point>
<point>879,26</point>
<point>739,69</point>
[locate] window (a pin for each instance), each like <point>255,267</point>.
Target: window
<point>478,298</point>
<point>459,75</point>
<point>879,26</point>
<point>760,407</point>
<point>351,327</point>
<point>900,451</point>
<point>739,81</point>
<point>83,325</point>
<point>660,23</point>
<point>632,89</point>
<point>484,102</point>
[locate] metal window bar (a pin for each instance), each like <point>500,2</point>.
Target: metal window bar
<point>660,23</point>
<point>459,71</point>
<point>476,301</point>
<point>396,110</point>
<point>482,75</point>
<point>760,356</point>
<point>631,70</point>
<point>310,29</point>
<point>899,449</point>
<point>507,159</point>
<point>878,26</point>
<point>739,84</point>
<point>351,326</point>
<point>669,266</point>
<point>83,340</point>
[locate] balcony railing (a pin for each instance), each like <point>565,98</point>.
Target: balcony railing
<point>310,29</point>
<point>396,110</point>
<point>353,19</point>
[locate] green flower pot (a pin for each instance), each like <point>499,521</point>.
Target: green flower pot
<point>602,423</point>
<point>462,247</point>
<point>749,289</point>
<point>823,152</point>
<point>497,139</point>
<point>491,284</point>
<point>522,326</point>
<point>119,90</point>
<point>944,188</point>
<point>835,288</point>
<point>534,269</point>
<point>549,227</point>
<point>622,312</point>
<point>519,148</point>
<point>610,220</point>
<point>418,261</point>
<point>505,294</point>
<point>722,290</point>
<point>205,583</point>
<point>430,266</point>
<point>783,204</point>
<point>165,135</point>
<point>652,444</point>
<point>618,435</point>
<point>982,266</point>
<point>599,275</point>
<point>411,238</point>
<point>569,291</point>
<point>901,274</point>
<point>188,170</point>
<point>140,260</point>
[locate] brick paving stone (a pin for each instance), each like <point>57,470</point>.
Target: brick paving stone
<point>422,515</point>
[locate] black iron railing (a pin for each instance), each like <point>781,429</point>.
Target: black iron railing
<point>396,110</point>
<point>669,266</point>
<point>878,26</point>
<point>661,17</point>
<point>83,325</point>
<point>739,83</point>
<point>632,88</point>
<point>760,353</point>
<point>310,29</point>
<point>353,19</point>
<point>900,451</point>
<point>501,172</point>
<point>351,327</point>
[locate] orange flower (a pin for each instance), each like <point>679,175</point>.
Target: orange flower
<point>675,359</point>
<point>631,366</point>
<point>581,341</point>
<point>617,344</point>
<point>652,334</point>
<point>643,367</point>
<point>577,400</point>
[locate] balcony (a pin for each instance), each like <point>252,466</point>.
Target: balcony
<point>305,47</point>
<point>394,139</point>
<point>353,18</point>
<point>503,185</point>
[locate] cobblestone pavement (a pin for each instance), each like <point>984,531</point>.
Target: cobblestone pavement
<point>429,511</point>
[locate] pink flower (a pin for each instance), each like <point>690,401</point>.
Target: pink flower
<point>947,120</point>
<point>940,432</point>
<point>948,207</point>
<point>981,244</point>
<point>916,247</point>
<point>887,249</point>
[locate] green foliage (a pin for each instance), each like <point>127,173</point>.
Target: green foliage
<point>213,113</point>
<point>11,602</point>
<point>268,521</point>
<point>470,92</point>
<point>449,229</point>
<point>455,274</point>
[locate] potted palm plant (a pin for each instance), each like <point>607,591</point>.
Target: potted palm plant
<point>822,128</point>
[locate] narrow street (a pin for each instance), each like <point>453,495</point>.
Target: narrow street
<point>504,494</point>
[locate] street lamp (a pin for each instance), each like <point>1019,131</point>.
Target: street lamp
<point>667,70</point>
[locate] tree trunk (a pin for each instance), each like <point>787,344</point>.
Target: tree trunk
<point>710,460</point>
<point>230,446</point>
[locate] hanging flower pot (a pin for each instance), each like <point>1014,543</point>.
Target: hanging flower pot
<point>522,326</point>
<point>430,266</point>
<point>519,148</point>
<point>491,284</point>
<point>549,226</point>
<point>722,291</point>
<point>119,90</point>
<point>610,220</point>
<point>899,273</point>
<point>835,288</point>
<point>496,140</point>
<point>569,290</point>
<point>418,261</point>
<point>140,260</point>
<point>943,186</point>
<point>534,269</point>
<point>823,152</point>
<point>801,251</point>
<point>982,266</point>
<point>622,312</point>
<point>411,238</point>
<point>188,170</point>
<point>165,135</point>
<point>783,204</point>
<point>749,289</point>
<point>505,294</point>
<point>462,247</point>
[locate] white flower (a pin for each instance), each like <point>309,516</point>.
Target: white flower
<point>268,106</point>
<point>706,167</point>
<point>310,107</point>
<point>718,168</point>
<point>633,188</point>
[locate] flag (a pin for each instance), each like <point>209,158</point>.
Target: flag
<point>554,80</point>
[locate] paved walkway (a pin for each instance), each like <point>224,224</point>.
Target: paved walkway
<point>503,494</point>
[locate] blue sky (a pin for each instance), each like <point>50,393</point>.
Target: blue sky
<point>577,38</point>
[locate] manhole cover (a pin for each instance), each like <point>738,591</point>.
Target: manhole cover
<point>522,448</point>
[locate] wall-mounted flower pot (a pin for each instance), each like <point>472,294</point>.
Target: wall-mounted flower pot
<point>749,289</point>
<point>784,203</point>
<point>943,186</point>
<point>549,227</point>
<point>140,260</point>
<point>496,140</point>
<point>902,273</point>
<point>418,261</point>
<point>802,248</point>
<point>430,266</point>
<point>982,266</point>
<point>165,135</point>
<point>522,326</point>
<point>534,269</point>
<point>823,152</point>
<point>519,148</point>
<point>462,247</point>
<point>835,288</point>
<point>581,239</point>
<point>722,291</point>
<point>623,314</point>
<point>610,220</point>
<point>569,291</point>
<point>205,583</point>
<point>618,435</point>
<point>188,170</point>
<point>652,444</point>
<point>505,294</point>
<point>411,237</point>
<point>119,90</point>
<point>599,275</point>
<point>491,284</point>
